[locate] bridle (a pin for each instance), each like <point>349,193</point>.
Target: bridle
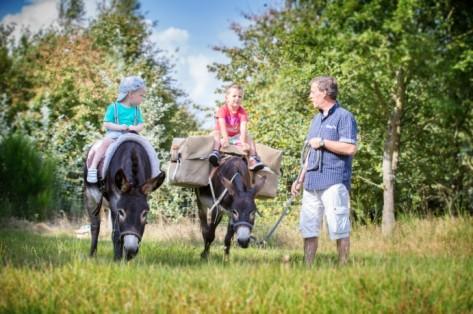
<point>124,233</point>
<point>240,223</point>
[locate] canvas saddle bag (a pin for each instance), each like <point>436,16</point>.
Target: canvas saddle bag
<point>272,158</point>
<point>189,165</point>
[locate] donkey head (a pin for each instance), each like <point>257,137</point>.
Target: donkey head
<point>132,208</point>
<point>243,208</point>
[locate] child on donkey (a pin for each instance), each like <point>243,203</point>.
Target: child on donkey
<point>122,116</point>
<point>231,127</point>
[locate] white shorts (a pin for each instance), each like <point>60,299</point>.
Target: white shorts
<point>334,202</point>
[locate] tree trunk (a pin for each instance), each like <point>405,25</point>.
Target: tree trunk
<point>391,155</point>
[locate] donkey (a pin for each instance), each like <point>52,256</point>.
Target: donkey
<point>127,183</point>
<point>239,203</point>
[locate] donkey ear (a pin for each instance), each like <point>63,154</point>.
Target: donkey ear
<point>152,184</point>
<point>229,186</point>
<point>121,182</point>
<point>259,185</point>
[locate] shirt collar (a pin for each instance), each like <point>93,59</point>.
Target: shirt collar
<point>331,110</point>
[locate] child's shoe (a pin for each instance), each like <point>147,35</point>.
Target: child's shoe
<point>92,175</point>
<point>255,164</point>
<point>214,157</point>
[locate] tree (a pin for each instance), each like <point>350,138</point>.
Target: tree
<point>390,59</point>
<point>59,82</point>
<point>71,13</point>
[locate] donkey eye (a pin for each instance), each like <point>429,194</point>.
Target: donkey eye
<point>144,217</point>
<point>121,214</point>
<point>235,213</point>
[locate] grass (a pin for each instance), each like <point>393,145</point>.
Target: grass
<point>426,267</point>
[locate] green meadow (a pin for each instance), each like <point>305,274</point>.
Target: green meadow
<point>425,267</point>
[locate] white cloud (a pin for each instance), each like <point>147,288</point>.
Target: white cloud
<point>35,15</point>
<point>197,68</point>
<point>171,39</point>
<point>42,13</point>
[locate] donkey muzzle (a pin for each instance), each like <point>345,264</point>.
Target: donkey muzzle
<point>131,244</point>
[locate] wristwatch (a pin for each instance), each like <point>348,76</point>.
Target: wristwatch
<point>321,143</point>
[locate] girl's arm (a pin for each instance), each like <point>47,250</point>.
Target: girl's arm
<point>114,126</point>
<point>244,132</point>
<point>223,131</point>
<point>137,128</point>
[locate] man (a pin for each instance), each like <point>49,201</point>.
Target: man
<point>326,175</point>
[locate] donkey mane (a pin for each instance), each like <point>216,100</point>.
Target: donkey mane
<point>235,165</point>
<point>134,167</point>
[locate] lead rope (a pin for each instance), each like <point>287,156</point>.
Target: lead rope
<point>216,204</point>
<point>305,152</point>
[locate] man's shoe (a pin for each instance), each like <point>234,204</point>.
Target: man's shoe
<point>255,164</point>
<point>214,157</point>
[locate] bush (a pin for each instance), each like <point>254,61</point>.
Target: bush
<point>28,179</point>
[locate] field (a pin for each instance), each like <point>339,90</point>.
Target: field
<point>426,267</point>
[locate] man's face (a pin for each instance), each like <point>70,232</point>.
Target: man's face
<point>234,98</point>
<point>316,95</point>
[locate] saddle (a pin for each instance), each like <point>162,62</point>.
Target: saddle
<point>105,161</point>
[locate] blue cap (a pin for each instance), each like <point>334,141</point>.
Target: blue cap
<point>129,84</point>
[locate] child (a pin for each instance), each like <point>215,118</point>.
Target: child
<point>232,128</point>
<point>121,116</point>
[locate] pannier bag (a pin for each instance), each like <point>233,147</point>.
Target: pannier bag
<point>272,159</point>
<point>189,166</point>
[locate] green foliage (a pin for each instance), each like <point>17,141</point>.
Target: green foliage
<point>28,182</point>
<point>57,84</point>
<point>373,48</point>
<point>41,273</point>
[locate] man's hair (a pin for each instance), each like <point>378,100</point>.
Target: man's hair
<point>235,86</point>
<point>328,84</point>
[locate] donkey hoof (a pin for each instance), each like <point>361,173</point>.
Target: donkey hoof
<point>204,255</point>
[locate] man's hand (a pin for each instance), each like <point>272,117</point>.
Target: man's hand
<point>132,128</point>
<point>315,142</point>
<point>296,188</point>
<point>123,127</point>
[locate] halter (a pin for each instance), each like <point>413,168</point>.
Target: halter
<point>240,223</point>
<point>124,233</point>
<point>216,204</point>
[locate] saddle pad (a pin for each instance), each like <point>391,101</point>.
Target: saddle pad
<point>103,166</point>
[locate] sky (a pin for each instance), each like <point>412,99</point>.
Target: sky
<point>191,26</point>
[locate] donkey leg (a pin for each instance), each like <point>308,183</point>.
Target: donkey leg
<point>204,227</point>
<point>93,203</point>
<point>210,236</point>
<point>228,241</point>
<point>117,241</point>
<point>202,204</point>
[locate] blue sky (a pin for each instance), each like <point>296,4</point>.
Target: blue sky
<point>192,26</point>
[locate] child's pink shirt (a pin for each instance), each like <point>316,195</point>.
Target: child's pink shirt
<point>232,121</point>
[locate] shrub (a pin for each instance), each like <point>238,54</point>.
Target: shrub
<point>28,179</point>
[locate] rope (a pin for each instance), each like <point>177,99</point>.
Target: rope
<point>216,203</point>
<point>305,152</point>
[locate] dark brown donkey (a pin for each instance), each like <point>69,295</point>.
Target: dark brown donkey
<point>238,203</point>
<point>126,187</point>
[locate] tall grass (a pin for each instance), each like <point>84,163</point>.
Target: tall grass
<point>426,267</point>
